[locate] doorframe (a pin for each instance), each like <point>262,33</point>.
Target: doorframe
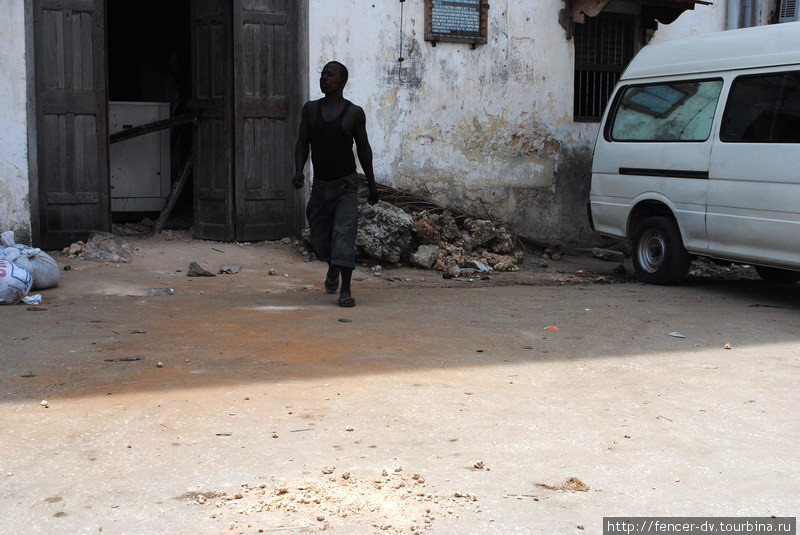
<point>303,60</point>
<point>33,150</point>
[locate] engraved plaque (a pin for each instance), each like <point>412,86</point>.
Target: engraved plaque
<point>460,21</point>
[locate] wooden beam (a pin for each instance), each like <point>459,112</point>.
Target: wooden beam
<point>148,128</point>
<point>177,188</point>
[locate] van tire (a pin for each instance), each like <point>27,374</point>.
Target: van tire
<point>771,274</point>
<point>658,253</point>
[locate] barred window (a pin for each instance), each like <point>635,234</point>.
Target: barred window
<point>604,46</point>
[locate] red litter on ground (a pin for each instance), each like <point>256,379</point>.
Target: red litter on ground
<point>551,328</point>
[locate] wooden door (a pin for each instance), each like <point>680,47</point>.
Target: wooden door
<point>266,109</point>
<point>71,122</point>
<point>212,86</point>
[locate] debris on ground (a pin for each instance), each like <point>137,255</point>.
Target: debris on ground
<point>676,334</point>
<point>141,228</point>
<point>230,269</point>
<point>406,228</point>
<point>392,503</point>
<point>425,256</point>
<point>101,247</point>
<point>195,270</point>
<point>727,346</point>
<point>717,269</point>
<point>571,484</point>
<point>161,291</point>
<point>608,255</point>
<point>272,272</point>
<point>384,232</point>
<point>476,243</point>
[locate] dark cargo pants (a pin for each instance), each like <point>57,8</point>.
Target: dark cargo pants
<point>332,213</point>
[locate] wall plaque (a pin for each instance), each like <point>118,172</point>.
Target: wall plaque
<point>458,21</point>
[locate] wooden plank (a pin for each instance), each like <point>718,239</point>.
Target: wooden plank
<point>78,102</point>
<point>177,188</point>
<point>73,5</point>
<point>270,107</point>
<point>78,197</point>
<point>255,17</point>
<point>155,126</point>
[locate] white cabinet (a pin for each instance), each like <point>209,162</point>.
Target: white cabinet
<point>140,167</point>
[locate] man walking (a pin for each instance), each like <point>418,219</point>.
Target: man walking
<point>330,125</point>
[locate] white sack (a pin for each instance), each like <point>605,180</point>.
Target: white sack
<point>40,265</point>
<point>15,283</point>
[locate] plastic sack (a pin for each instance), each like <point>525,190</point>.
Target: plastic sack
<point>9,253</point>
<point>40,265</point>
<point>7,238</point>
<point>15,283</point>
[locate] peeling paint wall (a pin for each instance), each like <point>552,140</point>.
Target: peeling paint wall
<point>14,206</point>
<point>489,129</point>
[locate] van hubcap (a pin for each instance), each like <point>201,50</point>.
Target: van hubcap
<point>651,250</point>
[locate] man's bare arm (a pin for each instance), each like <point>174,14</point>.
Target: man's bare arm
<point>364,151</point>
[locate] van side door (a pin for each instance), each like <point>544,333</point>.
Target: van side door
<point>754,185</point>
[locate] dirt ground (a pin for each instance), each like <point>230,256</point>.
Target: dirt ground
<point>536,402</point>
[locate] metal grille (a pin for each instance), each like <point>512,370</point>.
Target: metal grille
<point>788,10</point>
<point>603,48</point>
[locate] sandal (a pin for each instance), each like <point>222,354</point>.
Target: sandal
<point>331,287</point>
<point>347,302</point>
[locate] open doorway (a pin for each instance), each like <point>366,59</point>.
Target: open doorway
<point>149,79</point>
<point>240,64</point>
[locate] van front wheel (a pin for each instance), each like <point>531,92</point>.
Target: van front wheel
<point>771,274</point>
<point>658,253</point>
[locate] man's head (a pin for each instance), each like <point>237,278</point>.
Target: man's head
<point>333,77</point>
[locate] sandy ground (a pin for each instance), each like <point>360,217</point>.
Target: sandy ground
<point>265,384</point>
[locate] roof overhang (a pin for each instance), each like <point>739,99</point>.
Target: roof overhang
<point>663,11</point>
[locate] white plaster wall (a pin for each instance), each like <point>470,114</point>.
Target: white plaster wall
<point>489,128</point>
<point>14,206</point>
<point>701,20</point>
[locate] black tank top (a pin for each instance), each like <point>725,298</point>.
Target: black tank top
<point>331,147</point>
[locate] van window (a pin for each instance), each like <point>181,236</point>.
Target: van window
<point>763,109</point>
<point>670,111</point>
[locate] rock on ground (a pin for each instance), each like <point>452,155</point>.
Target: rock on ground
<point>425,256</point>
<point>384,232</point>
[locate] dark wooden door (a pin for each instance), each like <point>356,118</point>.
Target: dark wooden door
<point>266,108</point>
<point>212,81</point>
<point>71,122</point>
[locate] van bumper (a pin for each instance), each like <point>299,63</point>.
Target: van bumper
<point>589,213</point>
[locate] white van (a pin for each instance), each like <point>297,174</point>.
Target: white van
<point>699,154</point>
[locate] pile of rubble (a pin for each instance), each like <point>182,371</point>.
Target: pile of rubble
<point>391,502</point>
<point>479,244</point>
<point>101,247</point>
<point>432,239</point>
